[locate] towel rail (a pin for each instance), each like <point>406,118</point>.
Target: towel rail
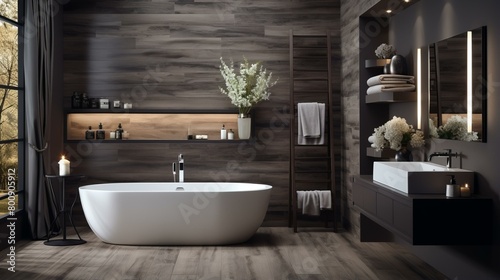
<point>300,47</point>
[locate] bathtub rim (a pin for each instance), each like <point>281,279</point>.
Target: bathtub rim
<point>96,187</point>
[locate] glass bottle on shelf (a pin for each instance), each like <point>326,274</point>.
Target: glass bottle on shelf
<point>119,132</point>
<point>90,134</point>
<point>100,133</point>
<point>85,101</point>
<point>76,100</point>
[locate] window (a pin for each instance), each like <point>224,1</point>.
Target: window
<point>11,107</point>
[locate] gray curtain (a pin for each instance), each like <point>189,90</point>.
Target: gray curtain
<point>38,59</point>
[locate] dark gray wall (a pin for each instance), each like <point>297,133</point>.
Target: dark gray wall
<point>165,55</point>
<point>431,21</point>
<point>425,22</point>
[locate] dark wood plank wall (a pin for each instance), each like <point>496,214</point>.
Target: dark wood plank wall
<point>165,55</point>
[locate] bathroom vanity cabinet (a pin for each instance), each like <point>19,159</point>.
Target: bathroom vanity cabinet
<point>387,214</point>
<point>148,125</point>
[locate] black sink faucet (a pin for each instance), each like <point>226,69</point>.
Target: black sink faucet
<point>448,154</point>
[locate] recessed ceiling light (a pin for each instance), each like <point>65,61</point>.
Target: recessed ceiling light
<point>388,11</point>
<point>407,1</point>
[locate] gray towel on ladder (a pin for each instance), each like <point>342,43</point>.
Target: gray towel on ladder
<point>311,202</point>
<point>311,123</point>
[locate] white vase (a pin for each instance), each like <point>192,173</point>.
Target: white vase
<point>244,127</point>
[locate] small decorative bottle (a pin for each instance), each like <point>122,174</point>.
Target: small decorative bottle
<point>230,134</point>
<point>223,133</point>
<point>94,103</point>
<point>85,101</point>
<point>100,133</point>
<point>76,101</point>
<point>90,134</point>
<point>119,132</point>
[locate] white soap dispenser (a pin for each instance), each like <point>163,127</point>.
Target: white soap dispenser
<point>452,189</point>
<point>223,132</point>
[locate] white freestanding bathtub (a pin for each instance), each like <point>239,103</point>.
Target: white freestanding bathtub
<point>175,213</point>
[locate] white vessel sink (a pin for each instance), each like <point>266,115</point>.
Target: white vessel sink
<point>419,177</point>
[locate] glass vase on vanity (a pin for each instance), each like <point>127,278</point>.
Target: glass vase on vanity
<point>244,126</point>
<point>404,154</point>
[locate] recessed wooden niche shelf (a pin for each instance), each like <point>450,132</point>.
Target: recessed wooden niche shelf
<point>151,125</point>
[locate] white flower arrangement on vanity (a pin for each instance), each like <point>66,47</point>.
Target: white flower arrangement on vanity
<point>396,134</point>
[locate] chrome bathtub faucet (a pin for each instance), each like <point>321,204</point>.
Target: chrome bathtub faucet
<point>174,169</point>
<point>181,168</point>
<point>448,154</point>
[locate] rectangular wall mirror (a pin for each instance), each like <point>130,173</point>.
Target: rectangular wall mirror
<point>457,84</point>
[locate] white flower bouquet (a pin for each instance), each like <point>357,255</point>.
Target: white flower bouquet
<point>249,87</point>
<point>385,51</point>
<point>397,134</point>
<point>455,128</point>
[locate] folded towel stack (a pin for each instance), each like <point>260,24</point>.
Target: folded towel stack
<point>390,83</point>
<point>311,202</point>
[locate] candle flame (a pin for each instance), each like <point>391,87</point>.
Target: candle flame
<point>62,157</point>
<point>467,185</point>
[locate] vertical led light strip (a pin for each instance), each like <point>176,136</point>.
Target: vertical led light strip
<point>469,81</point>
<point>419,88</point>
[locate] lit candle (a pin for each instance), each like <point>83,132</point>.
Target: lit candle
<point>63,167</point>
<point>465,191</point>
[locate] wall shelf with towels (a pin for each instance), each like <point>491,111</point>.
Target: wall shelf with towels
<point>376,109</point>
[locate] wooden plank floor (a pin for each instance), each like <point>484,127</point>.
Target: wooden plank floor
<point>273,253</point>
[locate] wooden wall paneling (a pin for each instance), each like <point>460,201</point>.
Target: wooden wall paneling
<point>165,55</point>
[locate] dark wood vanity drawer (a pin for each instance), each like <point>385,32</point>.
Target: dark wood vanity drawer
<point>403,218</point>
<point>364,198</point>
<point>385,208</point>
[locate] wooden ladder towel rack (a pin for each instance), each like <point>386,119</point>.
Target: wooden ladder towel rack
<point>311,166</point>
